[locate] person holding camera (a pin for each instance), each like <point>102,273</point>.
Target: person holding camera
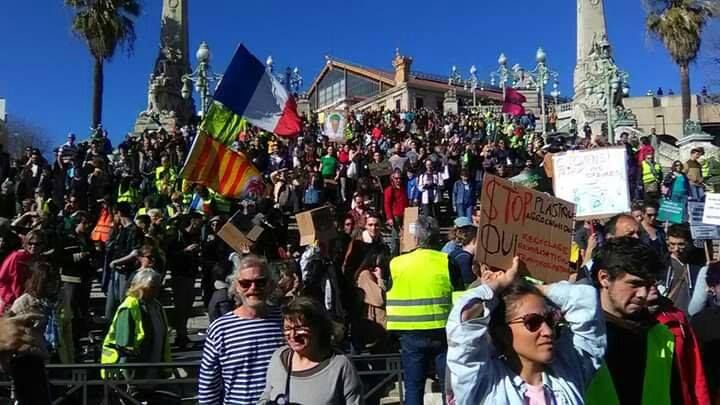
<point>429,184</point>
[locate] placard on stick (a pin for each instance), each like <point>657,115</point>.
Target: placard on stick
<point>518,221</point>
<point>595,180</point>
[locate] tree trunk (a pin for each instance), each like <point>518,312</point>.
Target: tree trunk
<point>685,91</point>
<point>98,78</point>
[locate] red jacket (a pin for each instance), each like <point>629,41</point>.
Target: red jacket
<point>395,201</point>
<point>687,356</point>
<point>13,275</point>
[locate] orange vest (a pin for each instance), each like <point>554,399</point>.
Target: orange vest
<point>104,226</point>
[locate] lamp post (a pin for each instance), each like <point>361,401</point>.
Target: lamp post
<point>472,83</point>
<point>202,76</point>
<point>541,74</point>
<point>555,93</point>
<point>291,79</point>
<point>606,80</point>
<point>502,73</point>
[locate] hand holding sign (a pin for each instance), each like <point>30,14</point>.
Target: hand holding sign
<point>518,221</point>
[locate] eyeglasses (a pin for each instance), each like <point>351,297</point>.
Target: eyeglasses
<point>651,214</point>
<point>533,322</point>
<point>259,283</point>
<point>298,330</point>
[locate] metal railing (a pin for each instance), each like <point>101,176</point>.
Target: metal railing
<point>80,384</point>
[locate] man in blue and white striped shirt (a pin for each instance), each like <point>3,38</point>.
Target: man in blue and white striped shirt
<point>239,344</point>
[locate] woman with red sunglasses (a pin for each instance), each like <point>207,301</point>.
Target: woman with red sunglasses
<point>505,345</point>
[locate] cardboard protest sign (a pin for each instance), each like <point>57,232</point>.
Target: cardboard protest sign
<point>518,221</point>
<point>595,180</point>
<point>410,216</point>
<point>381,169</point>
<point>671,211</point>
<point>316,225</point>
<point>240,230</point>
<point>698,229</point>
<point>711,216</point>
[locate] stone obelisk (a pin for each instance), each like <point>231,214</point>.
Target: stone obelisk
<point>591,29</point>
<point>166,107</point>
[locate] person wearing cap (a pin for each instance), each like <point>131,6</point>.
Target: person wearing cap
<point>74,258</point>
<point>462,256</point>
<point>452,244</point>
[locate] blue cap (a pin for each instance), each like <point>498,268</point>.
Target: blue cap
<point>462,222</point>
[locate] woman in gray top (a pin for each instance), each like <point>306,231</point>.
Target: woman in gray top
<point>308,371</point>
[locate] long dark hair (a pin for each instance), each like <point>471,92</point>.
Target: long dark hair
<point>508,299</point>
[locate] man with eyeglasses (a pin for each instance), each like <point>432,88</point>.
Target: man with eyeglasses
<point>239,344</point>
<point>678,282</point>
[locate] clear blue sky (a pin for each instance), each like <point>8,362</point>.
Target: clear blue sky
<point>46,73</point>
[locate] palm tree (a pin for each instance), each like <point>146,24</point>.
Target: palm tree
<point>104,25</point>
<point>679,24</point>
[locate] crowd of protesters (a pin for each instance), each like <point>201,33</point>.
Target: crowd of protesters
<point>284,317</point>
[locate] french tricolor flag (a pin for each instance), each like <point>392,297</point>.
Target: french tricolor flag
<point>249,90</point>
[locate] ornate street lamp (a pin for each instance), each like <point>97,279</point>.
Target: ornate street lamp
<point>454,78</point>
<point>202,76</point>
<point>291,79</point>
<point>502,73</point>
<point>472,83</point>
<point>541,74</point>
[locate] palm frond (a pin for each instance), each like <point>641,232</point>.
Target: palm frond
<point>105,25</point>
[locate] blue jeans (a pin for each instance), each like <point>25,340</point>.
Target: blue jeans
<point>697,193</point>
<point>417,350</point>
<point>464,210</point>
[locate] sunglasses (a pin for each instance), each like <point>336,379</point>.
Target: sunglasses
<point>259,283</point>
<point>533,322</point>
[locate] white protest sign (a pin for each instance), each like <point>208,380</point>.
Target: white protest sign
<point>594,180</point>
<point>700,230</point>
<point>335,127</point>
<point>711,216</point>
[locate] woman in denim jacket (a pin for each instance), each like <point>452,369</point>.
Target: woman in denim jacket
<point>505,345</point>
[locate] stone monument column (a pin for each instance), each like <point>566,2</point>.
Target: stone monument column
<point>166,107</point>
<point>591,28</point>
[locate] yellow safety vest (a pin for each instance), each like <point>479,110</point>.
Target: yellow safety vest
<point>658,373</point>
<point>163,179</point>
<point>705,167</point>
<point>647,174</point>
<point>421,293</point>
<point>130,196</point>
<point>110,354</point>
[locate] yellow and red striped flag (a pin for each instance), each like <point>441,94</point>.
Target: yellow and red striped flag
<point>222,169</point>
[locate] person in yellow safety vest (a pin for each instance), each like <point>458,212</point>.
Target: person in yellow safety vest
<point>127,192</point>
<point>139,330</point>
<point>651,174</point>
<point>638,364</point>
<point>165,176</point>
<point>177,205</point>
<point>418,304</point>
